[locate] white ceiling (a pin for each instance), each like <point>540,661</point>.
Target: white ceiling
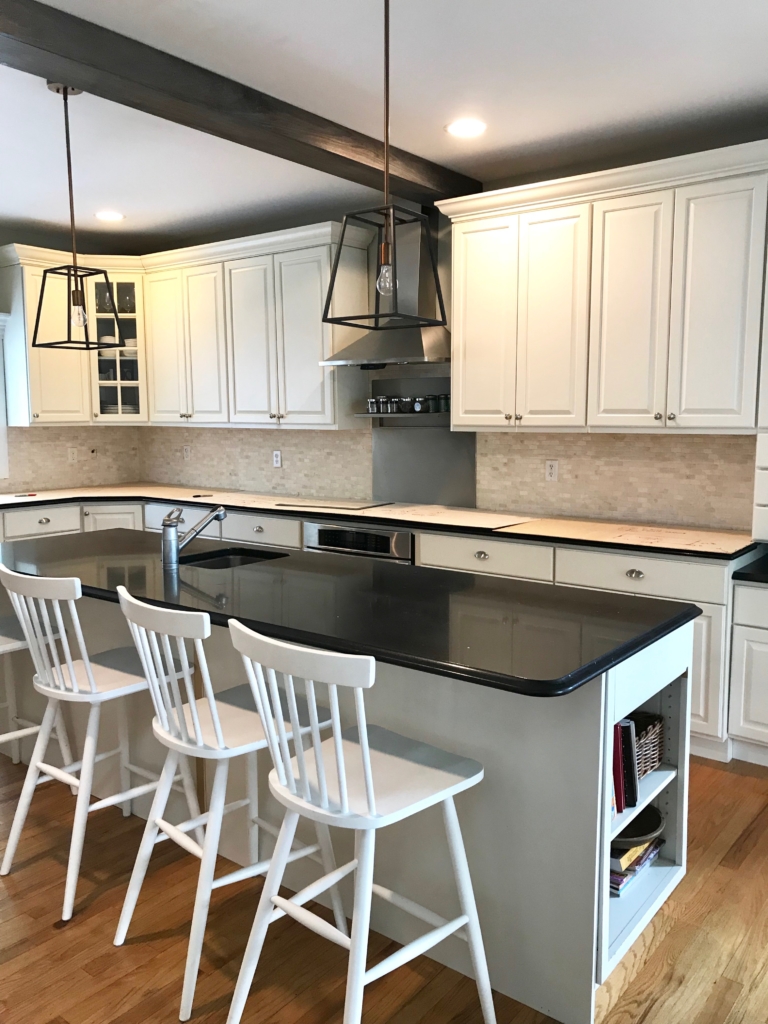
<point>550,77</point>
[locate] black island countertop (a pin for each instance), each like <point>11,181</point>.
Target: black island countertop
<point>539,639</point>
<point>753,572</point>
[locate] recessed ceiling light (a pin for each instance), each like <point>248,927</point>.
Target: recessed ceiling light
<point>466,127</point>
<point>110,215</point>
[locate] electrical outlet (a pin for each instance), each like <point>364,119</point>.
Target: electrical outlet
<point>71,454</point>
<point>187,452</point>
<point>94,452</point>
<point>277,460</point>
<point>550,470</point>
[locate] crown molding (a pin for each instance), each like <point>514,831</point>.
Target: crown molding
<point>746,158</point>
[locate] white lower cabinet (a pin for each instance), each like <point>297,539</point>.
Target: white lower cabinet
<point>40,521</point>
<point>112,517</point>
<point>155,513</point>
<point>709,678</point>
<point>749,684</point>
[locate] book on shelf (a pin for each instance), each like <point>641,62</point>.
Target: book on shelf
<point>620,881</point>
<point>622,859</point>
<point>618,769</point>
<point>629,757</point>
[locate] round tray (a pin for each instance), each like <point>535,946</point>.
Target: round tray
<point>648,825</point>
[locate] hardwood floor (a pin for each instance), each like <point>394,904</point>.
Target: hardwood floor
<point>704,959</point>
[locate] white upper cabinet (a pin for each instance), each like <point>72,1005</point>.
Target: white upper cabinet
<point>166,350</point>
<point>629,323</point>
<point>717,281</point>
<point>552,318</point>
<point>118,376</point>
<point>250,298</point>
<point>304,387</point>
<point>59,381</point>
<point>187,345</point>
<point>484,327</point>
<point>206,351</point>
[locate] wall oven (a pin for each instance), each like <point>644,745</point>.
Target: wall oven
<point>395,545</point>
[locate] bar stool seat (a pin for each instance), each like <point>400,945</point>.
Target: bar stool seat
<point>410,776</point>
<point>115,674</point>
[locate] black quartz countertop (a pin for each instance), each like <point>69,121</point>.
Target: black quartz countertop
<point>753,572</point>
<point>533,638</point>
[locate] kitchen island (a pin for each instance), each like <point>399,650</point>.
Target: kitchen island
<point>538,828</point>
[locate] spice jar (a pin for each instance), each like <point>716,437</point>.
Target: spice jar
<point>406,405</point>
<point>443,403</point>
<point>432,405</point>
<point>420,405</point>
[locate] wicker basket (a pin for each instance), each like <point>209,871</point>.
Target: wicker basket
<point>649,736</point>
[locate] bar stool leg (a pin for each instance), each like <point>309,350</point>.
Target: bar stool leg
<point>263,915</point>
<point>81,810</point>
<point>329,864</point>
<point>469,907</point>
<point>365,842</point>
<point>204,886</point>
<point>62,738</point>
<point>252,792</point>
<point>12,710</point>
<point>190,792</point>
<point>159,801</point>
<point>125,756</point>
<point>30,781</point>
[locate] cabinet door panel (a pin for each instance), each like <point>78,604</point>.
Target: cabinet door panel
<point>708,681</point>
<point>629,323</point>
<point>301,283</point>
<point>484,322</point>
<point>118,376</point>
<point>749,684</point>
<point>206,343</point>
<point>553,303</point>
<point>165,347</point>
<point>59,380</point>
<point>717,273</point>
<point>112,517</point>
<point>252,339</point>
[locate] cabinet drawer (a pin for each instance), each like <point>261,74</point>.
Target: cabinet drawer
<point>36,522</point>
<point>761,457</point>
<point>154,515</point>
<point>476,554</point>
<point>661,577</point>
<point>284,533</point>
<point>750,606</point>
<point>761,487</point>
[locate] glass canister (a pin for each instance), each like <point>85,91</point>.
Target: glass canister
<point>432,403</point>
<point>406,404</point>
<point>443,403</point>
<point>383,403</point>
<point>373,405</point>
<point>420,405</point>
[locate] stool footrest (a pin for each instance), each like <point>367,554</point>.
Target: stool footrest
<point>413,949</point>
<point>58,773</point>
<point>412,908</point>
<point>19,734</point>
<point>252,870</point>
<point>313,922</point>
<point>180,838</point>
<point>119,798</point>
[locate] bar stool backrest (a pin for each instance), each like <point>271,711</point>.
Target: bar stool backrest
<point>159,635</point>
<point>42,605</point>
<point>263,658</point>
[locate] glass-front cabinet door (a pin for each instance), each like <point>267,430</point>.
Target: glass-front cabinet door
<point>118,375</point>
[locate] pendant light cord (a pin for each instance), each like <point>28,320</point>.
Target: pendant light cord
<point>65,93</point>
<point>386,102</point>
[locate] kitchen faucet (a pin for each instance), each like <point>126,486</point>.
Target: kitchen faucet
<point>172,545</point>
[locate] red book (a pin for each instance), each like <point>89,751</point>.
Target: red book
<point>618,770</point>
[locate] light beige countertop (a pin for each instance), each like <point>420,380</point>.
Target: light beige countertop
<point>669,538</point>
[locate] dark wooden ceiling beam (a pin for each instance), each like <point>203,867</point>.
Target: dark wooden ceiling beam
<point>55,45</point>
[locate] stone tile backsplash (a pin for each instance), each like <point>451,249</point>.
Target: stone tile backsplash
<point>682,480</point>
<point>686,480</point>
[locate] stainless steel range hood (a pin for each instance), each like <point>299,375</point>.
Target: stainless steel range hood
<point>398,345</point>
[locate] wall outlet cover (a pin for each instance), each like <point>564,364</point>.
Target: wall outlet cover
<point>187,452</point>
<point>550,470</point>
<point>71,454</point>
<point>277,460</point>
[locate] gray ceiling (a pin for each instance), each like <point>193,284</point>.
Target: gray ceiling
<point>561,84</point>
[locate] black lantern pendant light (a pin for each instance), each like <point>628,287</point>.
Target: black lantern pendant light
<point>407,292</point>
<point>75,275</point>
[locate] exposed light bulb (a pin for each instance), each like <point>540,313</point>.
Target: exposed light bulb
<point>385,282</point>
<point>78,318</point>
<point>110,215</point>
<point>466,127</point>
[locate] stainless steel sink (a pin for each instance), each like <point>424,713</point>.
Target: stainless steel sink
<point>229,558</point>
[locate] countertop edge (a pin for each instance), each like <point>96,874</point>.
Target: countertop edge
<point>325,515</point>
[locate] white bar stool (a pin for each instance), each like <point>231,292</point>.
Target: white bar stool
<point>208,727</point>
<point>11,640</point>
<point>332,782</point>
<point>40,603</point>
